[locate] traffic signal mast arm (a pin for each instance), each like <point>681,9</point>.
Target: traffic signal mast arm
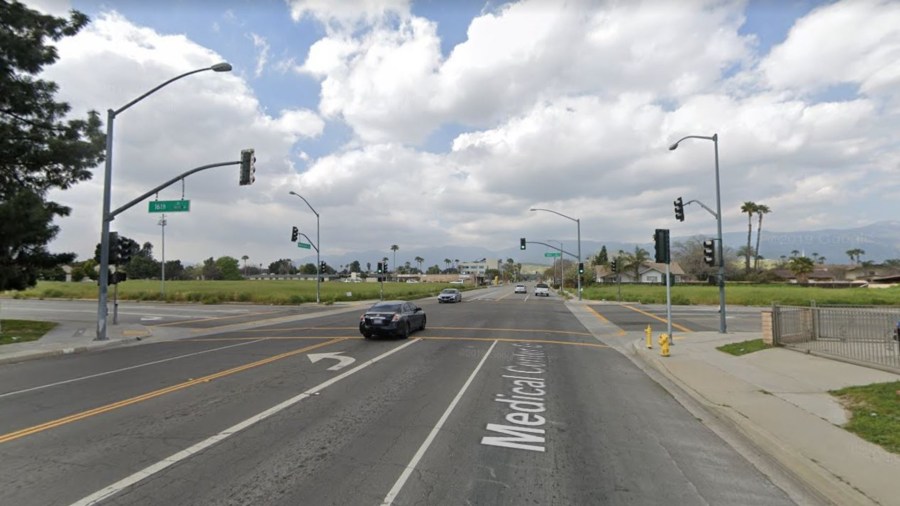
<point>112,214</point>
<point>314,245</point>
<point>710,211</point>
<point>573,255</point>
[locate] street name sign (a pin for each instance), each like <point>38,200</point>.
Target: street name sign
<point>170,206</point>
<point>551,254</point>
<point>303,245</point>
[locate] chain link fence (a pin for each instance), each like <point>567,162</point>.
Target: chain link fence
<point>867,335</point>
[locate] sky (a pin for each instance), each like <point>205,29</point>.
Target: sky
<point>438,122</point>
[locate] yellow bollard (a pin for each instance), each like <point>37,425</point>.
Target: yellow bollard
<point>649,332</point>
<point>664,345</point>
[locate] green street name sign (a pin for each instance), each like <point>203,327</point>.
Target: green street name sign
<point>551,254</point>
<point>303,245</point>
<point>170,206</point>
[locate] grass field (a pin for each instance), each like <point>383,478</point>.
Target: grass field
<point>744,347</point>
<point>20,331</point>
<point>216,292</point>
<point>875,413</point>
<point>747,295</point>
<point>297,292</point>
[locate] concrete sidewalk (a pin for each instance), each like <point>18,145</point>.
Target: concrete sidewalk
<point>80,336</point>
<point>779,400</point>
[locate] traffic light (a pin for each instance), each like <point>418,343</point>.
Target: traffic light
<point>522,243</point>
<point>248,167</point>
<point>124,251</point>
<point>709,252</point>
<point>661,245</point>
<point>113,246</point>
<point>322,266</point>
<point>580,268</point>
<point>294,234</point>
<point>380,268</point>
<point>679,209</point>
<point>614,265</point>
<point>118,277</point>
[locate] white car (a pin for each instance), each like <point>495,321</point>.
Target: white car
<point>521,289</point>
<point>449,295</point>
<point>541,289</point>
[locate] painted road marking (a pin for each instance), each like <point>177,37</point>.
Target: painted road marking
<point>603,319</point>
<point>398,485</point>
<point>342,360</point>
<point>217,318</point>
<point>651,315</point>
<point>129,368</point>
<point>5,438</point>
<point>424,338</point>
<point>234,429</point>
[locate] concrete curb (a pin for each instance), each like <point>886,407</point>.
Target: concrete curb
<point>818,480</point>
<point>26,355</point>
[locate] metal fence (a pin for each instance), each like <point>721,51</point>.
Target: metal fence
<point>865,335</point>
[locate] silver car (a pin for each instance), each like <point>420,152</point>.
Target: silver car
<point>450,295</point>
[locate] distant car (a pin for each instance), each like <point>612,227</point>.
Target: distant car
<point>521,289</point>
<point>450,295</point>
<point>457,282</point>
<point>541,290</point>
<point>398,317</point>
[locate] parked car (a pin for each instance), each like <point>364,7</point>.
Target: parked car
<point>399,317</point>
<point>521,289</point>
<point>541,289</point>
<point>450,295</point>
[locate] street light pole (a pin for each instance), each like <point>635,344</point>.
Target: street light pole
<point>720,249</point>
<point>578,223</point>
<point>105,219</point>
<point>318,245</point>
<point>561,273</point>
<point>162,283</point>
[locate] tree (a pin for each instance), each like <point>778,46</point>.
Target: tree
<point>634,261</point>
<point>308,268</point>
<point>434,269</point>
<point>283,266</point>
<point>448,262</point>
<point>210,270</point>
<point>855,254</point>
<point>749,208</point>
<point>245,258</point>
<point>143,267</point>
<point>601,258</point>
<point>39,150</point>
<point>419,261</point>
<point>355,267</point>
<point>174,270</point>
<point>394,248</point>
<point>801,267</point>
<point>689,255</point>
<point>229,268</point>
<point>761,209</point>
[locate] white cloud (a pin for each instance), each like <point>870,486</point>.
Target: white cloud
<point>347,14</point>
<point>852,41</point>
<point>262,57</point>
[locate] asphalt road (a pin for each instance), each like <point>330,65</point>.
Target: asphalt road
<point>503,399</point>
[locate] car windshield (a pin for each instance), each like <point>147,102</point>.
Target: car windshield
<point>448,290</point>
<point>542,285</point>
<point>385,308</point>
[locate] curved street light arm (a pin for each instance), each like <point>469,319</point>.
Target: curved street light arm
<point>314,245</point>
<point>554,212</point>
<point>714,138</point>
<point>307,202</point>
<point>219,67</point>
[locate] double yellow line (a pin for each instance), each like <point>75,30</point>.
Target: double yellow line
<point>12,436</point>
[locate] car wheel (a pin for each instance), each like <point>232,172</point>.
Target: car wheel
<point>422,327</point>
<point>404,333</point>
<point>367,335</point>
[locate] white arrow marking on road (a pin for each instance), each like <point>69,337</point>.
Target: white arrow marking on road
<point>150,318</point>
<point>342,360</point>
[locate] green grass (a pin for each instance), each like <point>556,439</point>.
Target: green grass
<point>744,347</point>
<point>20,331</point>
<point>875,413</point>
<point>746,294</point>
<point>217,292</point>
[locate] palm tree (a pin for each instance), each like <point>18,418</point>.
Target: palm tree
<point>761,209</point>
<point>801,266</point>
<point>749,208</point>
<point>635,261</point>
<point>448,262</point>
<point>456,261</point>
<point>394,248</point>
<point>419,260</point>
<point>855,253</point>
<point>245,258</point>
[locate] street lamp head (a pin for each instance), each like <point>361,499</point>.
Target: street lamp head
<point>292,193</point>
<point>673,146</point>
<point>221,67</point>
<point>532,209</point>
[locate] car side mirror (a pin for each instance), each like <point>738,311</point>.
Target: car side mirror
<point>417,309</point>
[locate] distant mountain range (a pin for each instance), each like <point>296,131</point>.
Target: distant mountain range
<point>880,241</point>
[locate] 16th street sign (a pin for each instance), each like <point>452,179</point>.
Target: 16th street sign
<point>170,206</point>
<point>551,254</point>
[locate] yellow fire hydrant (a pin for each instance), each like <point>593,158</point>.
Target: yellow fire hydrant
<point>664,345</point>
<point>649,332</point>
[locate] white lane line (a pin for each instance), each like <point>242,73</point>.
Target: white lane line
<point>129,368</point>
<point>124,483</point>
<point>395,490</point>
